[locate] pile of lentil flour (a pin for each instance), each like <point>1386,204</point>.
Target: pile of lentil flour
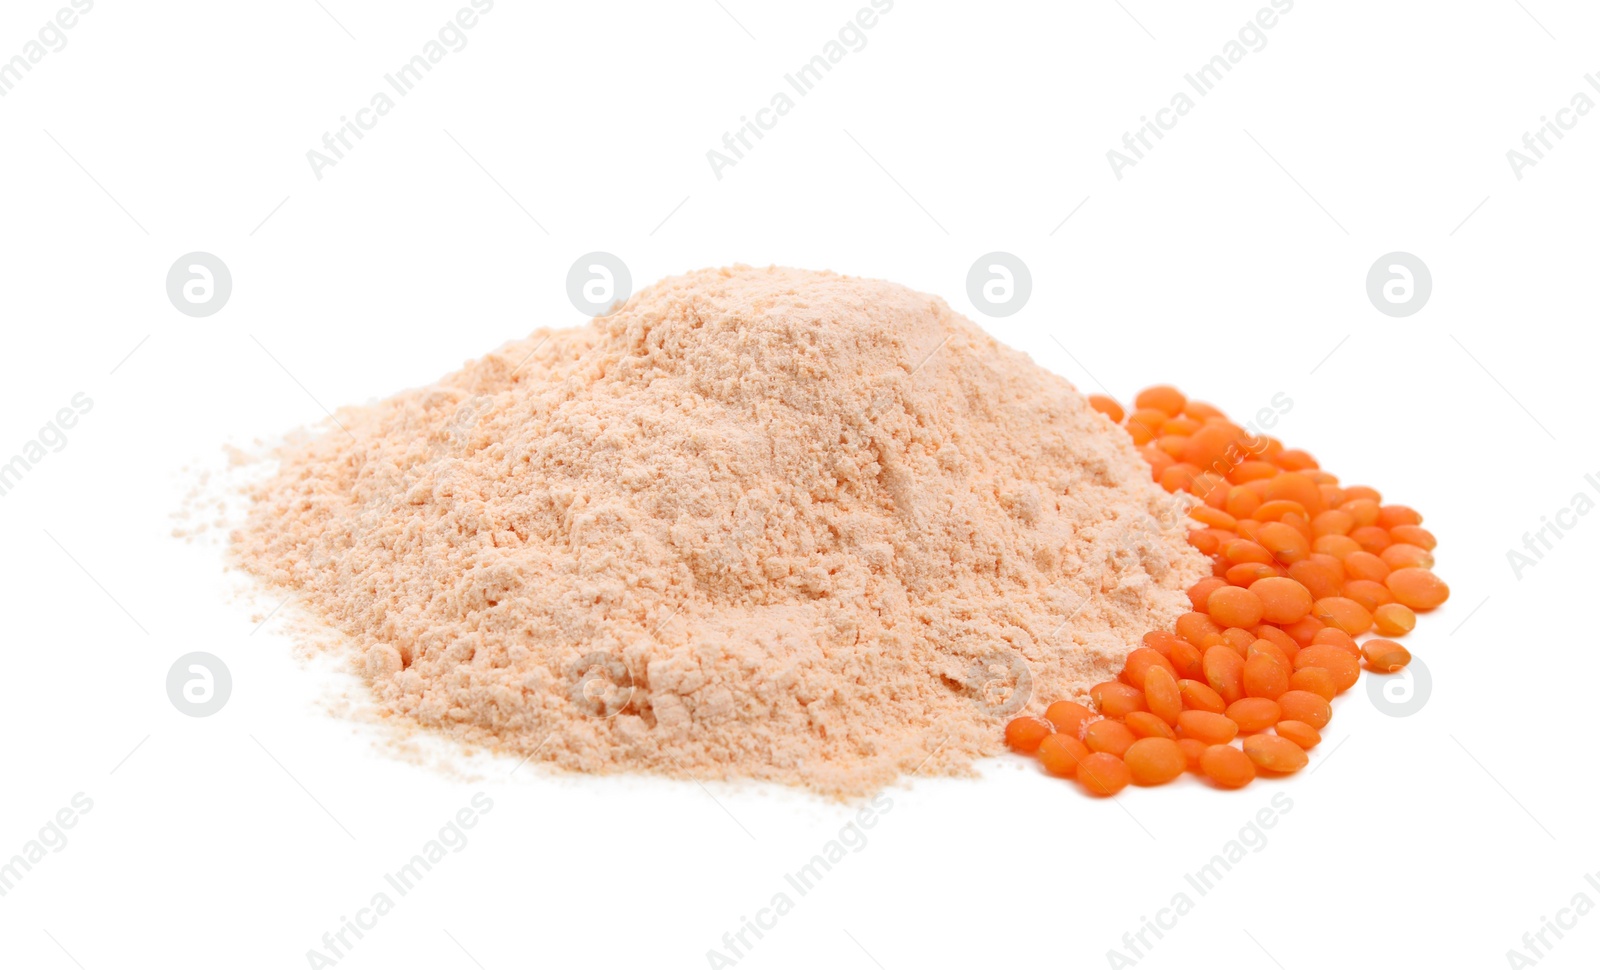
<point>754,524</point>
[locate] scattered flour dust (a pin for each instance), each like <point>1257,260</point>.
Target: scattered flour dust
<point>754,524</point>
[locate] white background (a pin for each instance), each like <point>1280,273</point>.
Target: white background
<point>1231,261</point>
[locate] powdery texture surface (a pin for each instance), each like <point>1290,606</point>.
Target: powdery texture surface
<point>756,523</point>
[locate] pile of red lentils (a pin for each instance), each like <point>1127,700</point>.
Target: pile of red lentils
<point>1242,686</point>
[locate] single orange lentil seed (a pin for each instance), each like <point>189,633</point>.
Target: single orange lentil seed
<point>1227,766</point>
<point>1299,732</point>
<point>1254,714</point>
<point>1146,725</point>
<point>1108,736</point>
<point>1025,733</point>
<point>1068,717</point>
<point>1154,761</point>
<point>1384,656</point>
<point>1060,755</point>
<point>1270,752</point>
<point>1103,774</point>
<point>1394,619</point>
<point>1207,727</point>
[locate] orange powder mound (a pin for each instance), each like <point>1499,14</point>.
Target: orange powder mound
<point>754,524</point>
